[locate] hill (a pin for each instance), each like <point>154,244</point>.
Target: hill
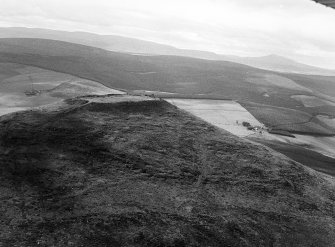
<point>179,75</point>
<point>281,64</point>
<point>51,87</point>
<point>142,173</point>
<point>131,45</point>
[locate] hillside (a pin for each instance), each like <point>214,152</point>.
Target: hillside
<point>51,87</point>
<point>165,73</point>
<point>99,173</point>
<point>131,45</point>
<point>281,64</point>
<point>180,75</point>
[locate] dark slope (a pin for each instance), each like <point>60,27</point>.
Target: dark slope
<point>131,45</point>
<point>146,174</point>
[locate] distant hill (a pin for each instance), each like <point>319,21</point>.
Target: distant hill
<point>281,64</point>
<point>131,45</point>
<point>174,74</point>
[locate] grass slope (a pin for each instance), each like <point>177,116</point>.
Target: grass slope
<point>147,174</point>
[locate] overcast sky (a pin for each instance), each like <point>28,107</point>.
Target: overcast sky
<point>299,29</point>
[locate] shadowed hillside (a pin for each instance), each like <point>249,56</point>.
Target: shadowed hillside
<point>146,174</point>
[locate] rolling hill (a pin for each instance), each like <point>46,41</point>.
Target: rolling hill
<point>281,64</point>
<point>180,75</point>
<point>51,87</point>
<point>123,171</point>
<point>131,45</point>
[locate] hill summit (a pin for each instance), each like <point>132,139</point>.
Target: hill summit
<point>134,171</point>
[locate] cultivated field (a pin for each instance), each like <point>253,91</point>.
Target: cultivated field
<point>224,114</point>
<point>327,120</point>
<point>275,116</point>
<point>295,121</point>
<point>276,81</point>
<point>183,75</point>
<point>16,79</point>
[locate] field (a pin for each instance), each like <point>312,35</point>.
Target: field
<point>295,121</point>
<point>54,87</point>
<point>273,116</point>
<point>312,101</point>
<point>224,114</point>
<point>327,120</point>
<point>319,84</point>
<point>185,77</point>
<point>172,74</point>
<point>277,81</point>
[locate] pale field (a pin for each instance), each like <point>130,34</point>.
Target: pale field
<point>21,100</point>
<point>7,110</point>
<point>117,99</point>
<point>79,87</point>
<point>312,101</point>
<point>221,113</point>
<point>152,92</point>
<point>15,80</point>
<point>47,80</point>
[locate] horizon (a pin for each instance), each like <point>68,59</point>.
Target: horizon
<point>302,31</point>
<point>262,56</point>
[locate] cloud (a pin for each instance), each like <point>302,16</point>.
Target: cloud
<point>299,29</point>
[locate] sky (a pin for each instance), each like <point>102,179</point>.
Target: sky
<point>297,29</point>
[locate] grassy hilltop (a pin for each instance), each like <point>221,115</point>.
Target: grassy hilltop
<point>98,173</point>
